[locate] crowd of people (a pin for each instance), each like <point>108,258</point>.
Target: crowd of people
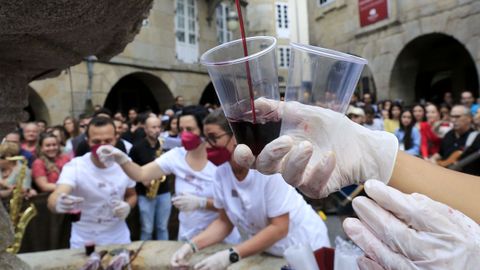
<point>102,165</point>
<point>444,134</point>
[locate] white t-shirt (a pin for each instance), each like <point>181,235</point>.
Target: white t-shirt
<point>249,204</point>
<point>199,183</point>
<point>98,187</point>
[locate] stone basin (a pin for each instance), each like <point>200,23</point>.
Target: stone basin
<point>153,255</point>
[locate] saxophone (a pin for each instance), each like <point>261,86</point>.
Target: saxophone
<point>19,220</point>
<point>155,183</point>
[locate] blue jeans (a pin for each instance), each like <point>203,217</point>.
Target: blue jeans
<point>156,212</point>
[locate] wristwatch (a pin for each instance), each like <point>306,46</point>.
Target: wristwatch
<point>234,257</point>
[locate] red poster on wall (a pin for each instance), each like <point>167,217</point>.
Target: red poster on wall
<point>372,11</point>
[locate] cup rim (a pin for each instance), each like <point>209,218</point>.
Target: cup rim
<point>329,53</point>
<point>204,62</point>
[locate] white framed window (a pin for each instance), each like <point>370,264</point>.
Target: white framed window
<point>283,21</point>
<point>223,35</point>
<point>324,2</point>
<point>283,56</point>
<point>186,30</point>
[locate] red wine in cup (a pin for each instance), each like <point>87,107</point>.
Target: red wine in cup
<point>257,135</point>
<point>75,215</point>
<point>89,248</point>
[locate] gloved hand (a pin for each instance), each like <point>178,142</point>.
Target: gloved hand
<point>400,231</point>
<point>218,261</point>
<point>121,209</point>
<point>181,257</point>
<point>108,154</point>
<point>66,203</point>
<point>323,151</point>
<point>189,202</point>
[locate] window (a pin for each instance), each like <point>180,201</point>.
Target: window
<point>283,56</point>
<point>186,30</point>
<point>283,23</point>
<point>324,2</point>
<point>223,35</point>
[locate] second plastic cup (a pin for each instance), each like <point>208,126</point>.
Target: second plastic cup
<point>244,84</point>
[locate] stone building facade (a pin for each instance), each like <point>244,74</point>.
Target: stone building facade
<point>420,50</point>
<point>161,63</point>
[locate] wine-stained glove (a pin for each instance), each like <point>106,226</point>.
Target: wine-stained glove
<point>108,154</point>
<point>66,203</point>
<point>218,261</point>
<point>401,231</point>
<point>121,209</point>
<point>322,151</point>
<point>181,257</point>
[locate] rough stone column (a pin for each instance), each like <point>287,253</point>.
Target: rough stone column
<point>13,98</point>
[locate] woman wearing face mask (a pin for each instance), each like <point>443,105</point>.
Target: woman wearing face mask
<point>49,163</point>
<point>271,222</point>
<point>194,174</point>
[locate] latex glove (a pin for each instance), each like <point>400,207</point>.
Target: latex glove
<point>181,257</point>
<point>400,231</point>
<point>66,203</point>
<point>108,154</point>
<point>218,261</point>
<point>323,151</point>
<point>189,202</point>
<point>121,209</point>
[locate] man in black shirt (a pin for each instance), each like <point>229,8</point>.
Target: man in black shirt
<point>156,211</point>
<point>456,138</point>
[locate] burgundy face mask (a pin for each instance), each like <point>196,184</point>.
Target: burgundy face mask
<point>94,149</point>
<point>218,155</point>
<point>190,140</point>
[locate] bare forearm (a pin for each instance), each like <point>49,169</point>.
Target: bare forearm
<point>131,200</point>
<point>455,189</point>
<point>143,173</point>
<point>262,240</point>
<point>215,233</point>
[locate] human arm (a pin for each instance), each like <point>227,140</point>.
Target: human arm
<point>190,202</point>
<point>215,232</point>
<point>61,196</point>
<point>131,197</point>
<point>455,189</point>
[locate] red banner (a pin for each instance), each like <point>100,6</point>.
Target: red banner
<point>372,11</point>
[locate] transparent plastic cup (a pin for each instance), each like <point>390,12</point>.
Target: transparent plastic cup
<point>230,72</point>
<point>319,77</point>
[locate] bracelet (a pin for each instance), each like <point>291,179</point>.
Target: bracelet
<point>193,246</point>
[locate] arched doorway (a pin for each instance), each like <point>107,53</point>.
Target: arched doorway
<point>139,90</point>
<point>36,109</point>
<point>366,83</point>
<point>209,96</point>
<point>431,65</point>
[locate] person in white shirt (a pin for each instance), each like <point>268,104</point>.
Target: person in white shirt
<point>194,173</point>
<point>103,194</point>
<point>270,215</point>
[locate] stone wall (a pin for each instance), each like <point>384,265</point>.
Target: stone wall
<point>336,25</point>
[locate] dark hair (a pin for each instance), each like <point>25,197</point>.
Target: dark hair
<point>75,127</point>
<point>169,124</point>
<point>63,131</point>
<point>407,139</point>
<point>142,117</point>
<point>50,165</point>
<point>424,111</point>
<point>102,111</point>
<point>42,121</point>
<point>390,114</point>
<point>135,109</point>
<point>369,110</point>
<point>177,97</point>
<point>100,121</point>
<point>217,117</point>
<point>84,116</point>
<point>198,112</point>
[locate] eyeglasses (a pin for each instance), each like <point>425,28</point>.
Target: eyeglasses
<point>212,139</point>
<point>453,116</point>
<point>83,126</point>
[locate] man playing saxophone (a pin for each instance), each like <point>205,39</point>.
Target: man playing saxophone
<point>154,201</point>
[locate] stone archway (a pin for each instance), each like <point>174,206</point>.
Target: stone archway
<point>366,83</point>
<point>209,96</point>
<point>36,109</point>
<point>139,90</point>
<point>430,65</point>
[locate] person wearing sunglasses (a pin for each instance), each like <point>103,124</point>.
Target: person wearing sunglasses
<point>194,174</point>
